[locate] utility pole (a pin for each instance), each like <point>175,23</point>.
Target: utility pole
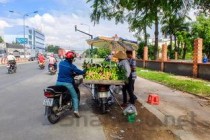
<point>24,39</point>
<point>91,36</point>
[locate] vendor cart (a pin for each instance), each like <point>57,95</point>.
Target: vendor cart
<point>101,91</point>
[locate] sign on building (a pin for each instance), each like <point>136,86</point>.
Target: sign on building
<point>22,40</point>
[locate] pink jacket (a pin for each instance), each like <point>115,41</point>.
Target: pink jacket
<point>52,60</point>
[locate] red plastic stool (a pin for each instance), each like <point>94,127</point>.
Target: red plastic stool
<point>153,99</point>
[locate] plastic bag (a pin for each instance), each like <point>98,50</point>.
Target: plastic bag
<point>130,110</point>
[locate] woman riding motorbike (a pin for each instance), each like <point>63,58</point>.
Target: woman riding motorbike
<point>66,78</point>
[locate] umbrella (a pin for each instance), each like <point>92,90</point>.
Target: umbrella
<point>113,43</point>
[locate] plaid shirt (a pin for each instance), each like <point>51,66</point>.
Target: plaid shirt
<point>133,67</point>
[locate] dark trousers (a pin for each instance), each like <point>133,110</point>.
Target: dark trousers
<point>128,87</point>
<point>132,83</point>
<point>55,66</point>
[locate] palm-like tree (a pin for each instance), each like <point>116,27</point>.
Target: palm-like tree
<point>184,39</point>
<point>140,23</point>
<point>172,24</point>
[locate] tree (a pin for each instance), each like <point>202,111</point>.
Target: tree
<point>103,52</point>
<point>202,5</point>
<point>173,22</point>
<point>137,12</point>
<point>94,52</point>
<point>140,51</point>
<point>53,49</point>
<point>139,22</point>
<point>184,42</point>
<point>201,29</point>
<point>1,40</point>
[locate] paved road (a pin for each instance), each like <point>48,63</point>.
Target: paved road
<point>22,112</point>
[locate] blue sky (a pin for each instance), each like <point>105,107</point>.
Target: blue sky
<point>43,6</point>
<point>56,19</point>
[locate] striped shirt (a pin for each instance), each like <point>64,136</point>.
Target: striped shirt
<point>133,67</point>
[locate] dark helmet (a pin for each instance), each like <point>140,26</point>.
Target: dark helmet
<point>70,55</point>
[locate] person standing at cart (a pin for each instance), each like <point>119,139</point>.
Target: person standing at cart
<point>132,76</point>
<point>123,62</point>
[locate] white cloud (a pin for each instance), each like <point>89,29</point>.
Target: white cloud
<point>3,24</point>
<point>59,29</point>
<point>4,1</point>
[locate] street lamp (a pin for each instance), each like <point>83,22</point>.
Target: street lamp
<point>89,33</point>
<point>24,16</point>
<point>86,25</point>
<point>91,36</point>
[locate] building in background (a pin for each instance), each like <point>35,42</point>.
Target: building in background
<point>34,39</point>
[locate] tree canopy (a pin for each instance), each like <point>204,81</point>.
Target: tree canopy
<point>98,52</point>
<point>1,40</point>
<point>141,14</point>
<point>201,29</point>
<point>52,48</point>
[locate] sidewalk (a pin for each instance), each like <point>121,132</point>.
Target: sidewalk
<point>187,116</point>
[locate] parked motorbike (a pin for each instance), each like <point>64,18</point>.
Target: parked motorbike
<point>52,69</point>
<point>12,68</point>
<point>58,100</point>
<point>41,66</point>
<point>101,96</point>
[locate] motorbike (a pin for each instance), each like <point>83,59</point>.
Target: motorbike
<point>52,69</point>
<point>58,100</point>
<point>102,97</point>
<point>41,66</point>
<point>12,68</point>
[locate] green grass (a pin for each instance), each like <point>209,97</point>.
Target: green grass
<point>182,83</point>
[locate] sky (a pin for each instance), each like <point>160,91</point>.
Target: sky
<point>57,18</point>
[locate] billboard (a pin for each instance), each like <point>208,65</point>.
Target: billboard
<point>22,40</point>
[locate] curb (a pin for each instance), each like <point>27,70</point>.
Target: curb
<point>199,96</point>
<point>180,134</point>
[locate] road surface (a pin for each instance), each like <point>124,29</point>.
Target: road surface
<point>22,112</point>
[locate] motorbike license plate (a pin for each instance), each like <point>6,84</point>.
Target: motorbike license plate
<point>48,102</point>
<point>103,94</point>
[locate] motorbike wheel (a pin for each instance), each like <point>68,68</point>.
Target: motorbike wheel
<point>51,116</point>
<point>15,69</point>
<point>103,107</point>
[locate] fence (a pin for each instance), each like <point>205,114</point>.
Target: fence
<point>177,68</point>
<point>192,69</point>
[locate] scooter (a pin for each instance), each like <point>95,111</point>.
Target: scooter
<point>52,69</point>
<point>12,68</point>
<point>58,100</point>
<point>101,97</point>
<point>41,66</point>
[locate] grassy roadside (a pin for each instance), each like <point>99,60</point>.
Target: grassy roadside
<point>182,83</point>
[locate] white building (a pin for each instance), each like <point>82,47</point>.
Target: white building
<point>34,39</point>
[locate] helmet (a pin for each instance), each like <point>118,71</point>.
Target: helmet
<point>70,55</point>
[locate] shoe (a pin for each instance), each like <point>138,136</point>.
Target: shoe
<point>124,105</point>
<point>76,114</point>
<point>134,97</point>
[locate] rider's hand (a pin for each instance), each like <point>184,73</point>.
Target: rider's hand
<point>88,66</point>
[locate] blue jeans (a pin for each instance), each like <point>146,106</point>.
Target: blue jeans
<point>72,93</point>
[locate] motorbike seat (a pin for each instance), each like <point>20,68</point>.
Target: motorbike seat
<point>57,89</point>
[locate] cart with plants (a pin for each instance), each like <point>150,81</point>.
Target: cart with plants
<point>101,77</point>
